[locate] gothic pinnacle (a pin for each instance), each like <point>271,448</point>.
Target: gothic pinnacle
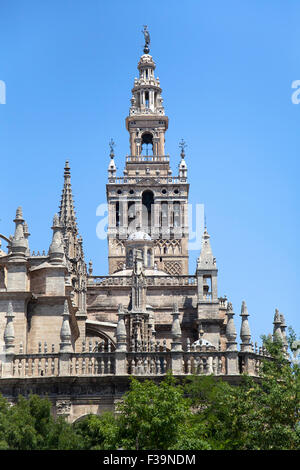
<point>65,332</point>
<point>176,330</point>
<point>9,333</point>
<point>19,244</point>
<point>277,333</point>
<point>56,249</point>
<point>66,212</point>
<point>245,329</point>
<point>26,235</point>
<point>121,330</point>
<point>230,329</point>
<point>206,258</point>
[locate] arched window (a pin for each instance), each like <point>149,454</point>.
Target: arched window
<point>147,205</point>
<point>147,140</point>
<point>147,99</point>
<point>176,212</point>
<point>164,214</point>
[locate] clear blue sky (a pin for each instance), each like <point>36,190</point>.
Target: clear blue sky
<point>226,70</point>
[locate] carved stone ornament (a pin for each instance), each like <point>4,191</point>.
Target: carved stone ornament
<point>63,407</point>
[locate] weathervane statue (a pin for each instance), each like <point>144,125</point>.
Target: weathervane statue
<point>147,39</point>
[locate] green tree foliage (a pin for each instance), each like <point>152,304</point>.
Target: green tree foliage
<point>28,425</point>
<point>156,416</point>
<point>99,432</point>
<point>255,415</point>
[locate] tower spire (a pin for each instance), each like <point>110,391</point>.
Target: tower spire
<point>66,210</point>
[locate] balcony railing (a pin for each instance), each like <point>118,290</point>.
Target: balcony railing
<point>147,158</point>
<point>102,361</point>
<point>140,178</point>
<point>151,281</point>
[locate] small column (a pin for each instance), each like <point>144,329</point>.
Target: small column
<point>176,345</point>
<point>121,349</point>
<point>231,351</point>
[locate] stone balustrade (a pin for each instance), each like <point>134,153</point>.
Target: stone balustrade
<point>138,179</point>
<point>204,362</point>
<point>98,359</point>
<point>151,281</point>
<point>35,365</point>
<point>147,158</point>
<point>148,363</point>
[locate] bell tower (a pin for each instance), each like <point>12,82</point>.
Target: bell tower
<point>148,197</point>
<point>147,122</point>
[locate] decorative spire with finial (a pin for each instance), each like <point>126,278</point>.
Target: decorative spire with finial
<point>182,165</point>
<point>206,258</point>
<point>112,166</point>
<point>147,39</point>
<point>9,332</point>
<point>112,146</point>
<point>230,329</point>
<point>19,243</point>
<point>201,333</point>
<point>26,235</point>
<point>176,330</point>
<point>121,330</point>
<point>182,146</point>
<point>66,211</point>
<point>56,249</point>
<point>277,334</point>
<point>283,333</point>
<point>245,329</point>
<point>65,332</point>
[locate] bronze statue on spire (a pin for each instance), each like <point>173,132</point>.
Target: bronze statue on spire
<point>147,39</point>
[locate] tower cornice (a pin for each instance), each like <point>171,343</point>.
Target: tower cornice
<point>147,117</point>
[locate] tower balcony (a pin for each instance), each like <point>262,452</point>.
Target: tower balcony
<point>147,158</point>
<point>139,179</point>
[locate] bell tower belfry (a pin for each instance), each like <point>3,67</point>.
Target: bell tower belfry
<point>147,122</point>
<point>147,197</point>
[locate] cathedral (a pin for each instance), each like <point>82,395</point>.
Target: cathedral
<point>76,337</point>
